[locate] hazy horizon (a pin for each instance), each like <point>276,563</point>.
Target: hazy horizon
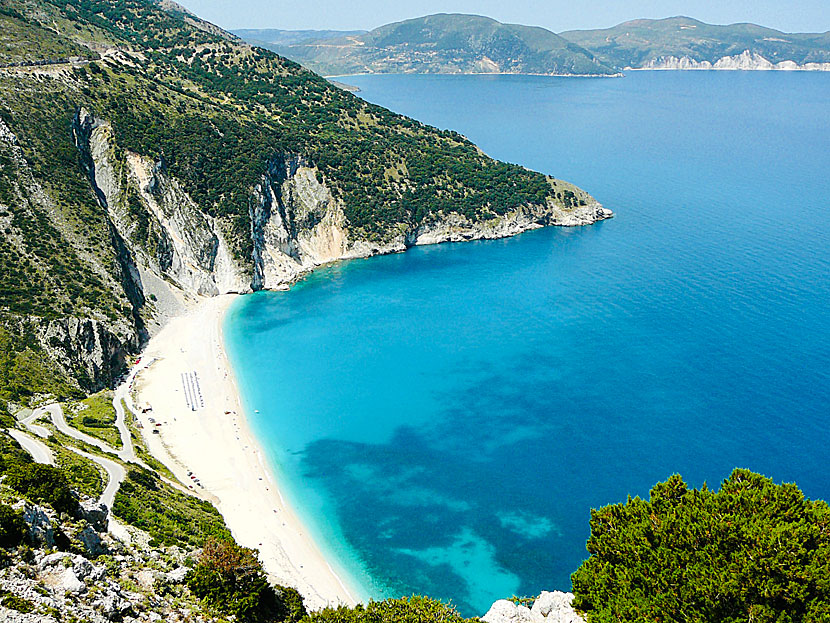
<point>806,16</point>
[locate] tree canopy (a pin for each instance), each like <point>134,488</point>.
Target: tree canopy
<point>754,551</point>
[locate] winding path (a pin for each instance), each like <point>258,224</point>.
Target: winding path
<point>115,476</point>
<point>40,452</point>
<point>115,471</point>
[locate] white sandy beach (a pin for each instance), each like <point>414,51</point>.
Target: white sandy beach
<point>220,450</point>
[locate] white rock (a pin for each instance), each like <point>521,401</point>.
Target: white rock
<point>176,576</point>
<point>555,607</point>
<point>549,607</point>
<point>70,582</point>
<point>504,611</point>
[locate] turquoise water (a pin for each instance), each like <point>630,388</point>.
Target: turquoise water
<point>447,417</point>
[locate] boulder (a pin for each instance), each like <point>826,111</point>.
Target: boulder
<point>505,611</point>
<point>37,519</point>
<point>112,606</point>
<point>91,541</point>
<point>95,513</point>
<point>70,582</point>
<point>549,607</point>
<point>555,607</point>
<point>177,575</point>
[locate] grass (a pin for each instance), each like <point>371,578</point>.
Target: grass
<point>95,416</point>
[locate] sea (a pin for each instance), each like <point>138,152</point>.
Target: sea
<point>445,419</point>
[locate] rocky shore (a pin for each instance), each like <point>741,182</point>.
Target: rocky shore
<point>549,607</point>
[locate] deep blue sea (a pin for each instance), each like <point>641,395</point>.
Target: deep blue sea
<point>446,418</point>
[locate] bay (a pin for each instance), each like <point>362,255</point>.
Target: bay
<point>445,419</point>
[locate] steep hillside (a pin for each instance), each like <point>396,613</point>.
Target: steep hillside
<point>669,42</point>
<point>147,157</point>
<point>447,44</point>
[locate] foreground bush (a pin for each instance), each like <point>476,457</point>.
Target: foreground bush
<point>230,579</point>
<point>753,551</point>
<point>12,528</point>
<point>413,609</point>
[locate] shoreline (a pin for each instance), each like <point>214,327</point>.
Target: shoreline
<point>216,444</point>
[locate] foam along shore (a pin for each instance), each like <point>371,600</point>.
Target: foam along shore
<point>215,444</point>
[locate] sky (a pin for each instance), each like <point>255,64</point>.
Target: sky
<point>556,15</point>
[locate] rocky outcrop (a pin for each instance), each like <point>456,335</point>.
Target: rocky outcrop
<point>88,346</point>
<point>456,228</point>
<point>549,607</point>
<point>747,61</point>
<point>131,584</point>
<point>296,224</point>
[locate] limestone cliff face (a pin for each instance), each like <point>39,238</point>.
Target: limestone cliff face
<point>93,349</point>
<point>171,251</point>
<point>297,225</point>
<point>747,61</point>
<point>88,345</point>
<point>456,228</point>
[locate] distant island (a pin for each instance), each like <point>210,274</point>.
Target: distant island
<point>472,44</point>
<point>442,44</point>
<point>685,43</point>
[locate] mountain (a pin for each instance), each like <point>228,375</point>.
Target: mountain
<point>275,37</point>
<point>682,42</point>
<point>447,44</point>
<point>148,157</point>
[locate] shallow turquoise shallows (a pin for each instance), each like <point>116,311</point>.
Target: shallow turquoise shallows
<point>446,418</point>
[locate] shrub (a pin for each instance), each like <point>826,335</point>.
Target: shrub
<point>12,528</point>
<point>42,483</point>
<point>13,602</point>
<point>415,609</point>
<point>753,551</point>
<point>230,579</point>
<point>168,515</point>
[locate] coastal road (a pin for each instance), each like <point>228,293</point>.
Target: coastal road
<point>38,430</point>
<point>40,452</point>
<point>115,474</point>
<point>56,415</point>
<point>115,471</point>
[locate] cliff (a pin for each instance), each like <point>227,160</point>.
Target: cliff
<point>143,167</point>
<point>297,224</point>
<point>746,61</point>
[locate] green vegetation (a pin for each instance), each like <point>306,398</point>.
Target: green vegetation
<point>415,609</point>
<point>24,367</point>
<point>13,602</point>
<point>217,115</point>
<point>95,416</point>
<point>633,44</point>
<point>448,44</point>
<point>168,515</point>
<point>230,579</point>
<point>41,483</point>
<point>82,474</point>
<point>18,46</point>
<point>12,528</point>
<point>752,552</point>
